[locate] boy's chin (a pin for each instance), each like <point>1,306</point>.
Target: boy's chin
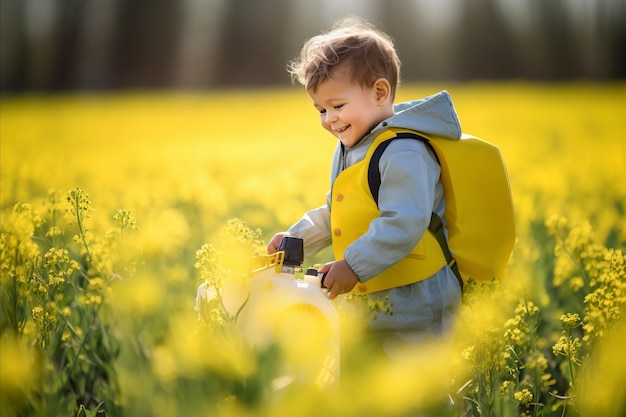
<point>345,141</point>
<point>348,141</point>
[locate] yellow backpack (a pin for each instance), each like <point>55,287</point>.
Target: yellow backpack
<point>479,207</point>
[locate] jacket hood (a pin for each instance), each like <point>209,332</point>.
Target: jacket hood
<point>434,115</point>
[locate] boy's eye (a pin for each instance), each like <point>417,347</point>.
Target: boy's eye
<point>337,107</point>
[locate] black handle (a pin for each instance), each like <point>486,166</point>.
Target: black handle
<point>294,250</point>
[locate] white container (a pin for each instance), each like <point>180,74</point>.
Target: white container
<point>295,314</point>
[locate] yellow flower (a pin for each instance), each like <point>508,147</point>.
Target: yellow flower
<point>570,320</point>
<point>526,307</point>
<point>524,396</point>
<point>79,203</point>
<point>216,316</point>
<point>576,283</point>
<point>54,231</point>
<point>567,346</point>
<point>95,299</point>
<point>125,220</point>
<point>506,386</point>
<point>96,284</point>
<point>38,313</point>
<point>469,353</point>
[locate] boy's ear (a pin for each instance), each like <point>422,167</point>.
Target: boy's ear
<point>382,88</point>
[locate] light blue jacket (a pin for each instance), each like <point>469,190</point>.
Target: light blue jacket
<point>410,191</point>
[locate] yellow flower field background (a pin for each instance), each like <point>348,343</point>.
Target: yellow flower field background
<point>107,199</point>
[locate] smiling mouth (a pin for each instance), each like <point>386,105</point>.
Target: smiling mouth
<point>343,129</point>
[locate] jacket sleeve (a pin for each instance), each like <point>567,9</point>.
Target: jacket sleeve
<point>314,229</point>
<point>408,192</point>
<point>314,226</point>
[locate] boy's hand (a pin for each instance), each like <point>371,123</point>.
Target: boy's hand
<point>339,279</point>
<point>272,246</point>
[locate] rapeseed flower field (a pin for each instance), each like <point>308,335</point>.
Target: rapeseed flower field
<point>117,207</point>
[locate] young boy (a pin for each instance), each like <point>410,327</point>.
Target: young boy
<point>351,73</point>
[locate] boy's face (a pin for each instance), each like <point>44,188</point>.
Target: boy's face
<point>348,110</point>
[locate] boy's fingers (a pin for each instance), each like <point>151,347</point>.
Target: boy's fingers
<point>272,247</point>
<point>332,294</point>
<point>329,282</point>
<point>325,267</point>
<point>334,290</point>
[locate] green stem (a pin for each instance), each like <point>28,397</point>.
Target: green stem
<point>14,301</point>
<point>579,267</point>
<point>81,231</point>
<point>569,360</point>
<point>533,346</point>
<point>81,348</point>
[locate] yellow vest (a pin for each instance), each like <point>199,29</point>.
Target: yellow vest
<point>353,208</point>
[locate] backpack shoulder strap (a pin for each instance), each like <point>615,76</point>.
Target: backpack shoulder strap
<point>373,172</point>
<point>437,229</point>
<point>436,226</point>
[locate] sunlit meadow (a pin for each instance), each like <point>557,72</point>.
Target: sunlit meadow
<point>115,208</point>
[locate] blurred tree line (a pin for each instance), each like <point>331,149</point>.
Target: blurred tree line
<point>57,45</point>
